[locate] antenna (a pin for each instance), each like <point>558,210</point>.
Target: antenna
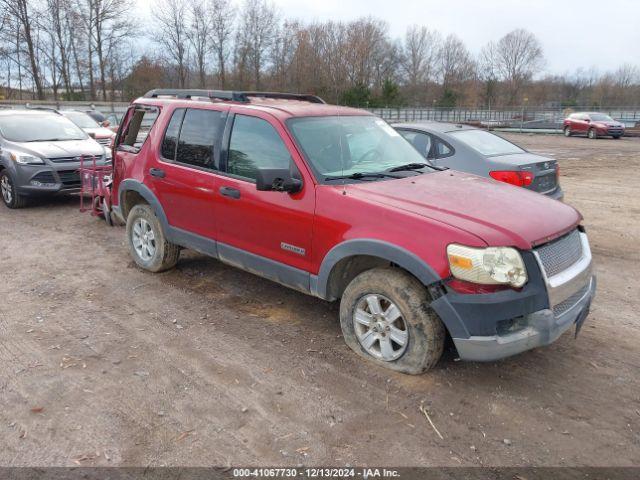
<point>344,180</point>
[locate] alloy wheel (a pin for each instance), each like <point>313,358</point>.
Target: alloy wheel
<point>144,239</point>
<point>7,189</point>
<point>380,327</point>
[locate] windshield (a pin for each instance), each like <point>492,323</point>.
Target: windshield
<point>486,143</point>
<point>600,117</point>
<point>81,119</point>
<point>39,128</point>
<point>341,146</point>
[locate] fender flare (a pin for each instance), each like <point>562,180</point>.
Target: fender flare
<point>146,193</point>
<point>375,248</point>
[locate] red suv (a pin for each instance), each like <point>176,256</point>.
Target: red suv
<point>593,125</point>
<point>333,202</point>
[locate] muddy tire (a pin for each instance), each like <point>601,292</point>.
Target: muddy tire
<point>10,197</point>
<point>386,318</point>
<point>567,131</point>
<point>147,242</point>
<point>593,135</point>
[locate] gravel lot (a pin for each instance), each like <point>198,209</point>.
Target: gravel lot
<point>103,364</point>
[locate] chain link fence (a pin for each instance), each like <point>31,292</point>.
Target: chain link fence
<point>522,118</point>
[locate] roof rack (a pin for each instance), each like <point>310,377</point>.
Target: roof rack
<point>28,106</point>
<point>229,96</point>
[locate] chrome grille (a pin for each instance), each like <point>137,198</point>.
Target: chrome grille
<point>558,255</point>
<point>565,305</point>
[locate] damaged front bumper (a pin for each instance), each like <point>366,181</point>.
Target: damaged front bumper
<point>492,326</point>
<point>536,329</point>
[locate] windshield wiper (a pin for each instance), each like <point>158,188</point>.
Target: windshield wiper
<point>409,166</point>
<point>46,140</point>
<point>359,175</point>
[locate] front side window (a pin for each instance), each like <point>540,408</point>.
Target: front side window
<point>486,143</point>
<point>255,144</point>
<point>337,146</point>
<point>36,127</point>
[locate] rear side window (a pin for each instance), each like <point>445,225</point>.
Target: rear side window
<point>170,140</point>
<point>255,144</point>
<point>420,141</point>
<point>190,137</point>
<point>442,149</point>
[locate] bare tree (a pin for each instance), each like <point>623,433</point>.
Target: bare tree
<point>171,34</point>
<point>259,21</point>
<point>199,35</point>
<point>222,13</point>
<point>23,11</point>
<point>515,58</point>
<point>419,59</point>
<point>456,67</point>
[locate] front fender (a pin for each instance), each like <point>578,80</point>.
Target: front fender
<point>375,248</point>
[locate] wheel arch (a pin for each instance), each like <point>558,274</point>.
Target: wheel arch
<point>352,257</point>
<point>131,193</point>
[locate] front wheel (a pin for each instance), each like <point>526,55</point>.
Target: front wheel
<point>592,134</point>
<point>147,242</point>
<point>10,196</point>
<point>386,318</point>
<point>567,131</point>
<point>616,137</point>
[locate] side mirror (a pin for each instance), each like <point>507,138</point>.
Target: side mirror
<point>277,180</point>
<point>587,120</point>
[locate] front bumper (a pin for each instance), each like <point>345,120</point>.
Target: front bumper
<point>48,179</point>
<point>538,329</point>
<point>492,326</point>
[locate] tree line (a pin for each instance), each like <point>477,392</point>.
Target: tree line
<point>94,50</point>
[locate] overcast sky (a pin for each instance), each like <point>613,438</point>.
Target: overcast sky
<point>575,33</point>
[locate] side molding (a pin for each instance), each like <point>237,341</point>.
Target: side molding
<point>375,248</point>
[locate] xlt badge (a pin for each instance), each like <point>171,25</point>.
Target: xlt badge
<point>292,248</point>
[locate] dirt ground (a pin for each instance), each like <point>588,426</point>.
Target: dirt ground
<point>103,364</point>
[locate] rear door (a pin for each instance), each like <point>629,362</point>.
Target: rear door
<point>261,225</point>
<point>183,173</point>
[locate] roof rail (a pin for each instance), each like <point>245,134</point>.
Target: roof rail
<point>28,106</point>
<point>229,95</point>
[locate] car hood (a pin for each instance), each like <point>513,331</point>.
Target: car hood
<point>68,148</point>
<point>497,213</point>
<point>519,159</point>
<point>99,132</point>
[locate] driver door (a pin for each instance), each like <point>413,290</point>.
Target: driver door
<point>257,228</point>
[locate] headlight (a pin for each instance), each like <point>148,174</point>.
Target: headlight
<point>24,159</point>
<point>487,266</point>
<point>107,153</point>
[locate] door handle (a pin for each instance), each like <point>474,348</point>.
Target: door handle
<point>230,192</point>
<point>156,172</point>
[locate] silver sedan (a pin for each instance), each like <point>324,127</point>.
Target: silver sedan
<point>483,153</point>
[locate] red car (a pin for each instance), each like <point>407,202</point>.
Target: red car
<point>333,202</point>
<point>593,125</point>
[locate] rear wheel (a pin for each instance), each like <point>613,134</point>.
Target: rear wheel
<point>147,242</point>
<point>386,318</point>
<point>10,196</point>
<point>592,134</point>
<point>567,131</point>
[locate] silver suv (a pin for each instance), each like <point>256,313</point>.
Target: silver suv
<point>40,154</point>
